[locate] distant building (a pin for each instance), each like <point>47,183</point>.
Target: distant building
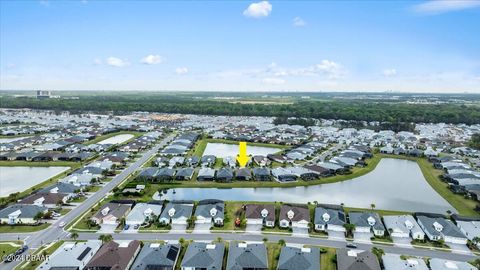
<point>43,94</point>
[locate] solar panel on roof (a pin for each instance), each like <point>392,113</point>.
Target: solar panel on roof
<point>172,253</point>
<point>84,253</point>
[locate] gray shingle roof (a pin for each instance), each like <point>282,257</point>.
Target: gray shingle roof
<point>292,258</point>
<point>199,256</point>
<point>156,256</point>
<point>336,217</point>
<point>252,256</point>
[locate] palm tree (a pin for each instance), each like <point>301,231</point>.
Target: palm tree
<point>281,242</point>
<point>378,252</point>
<point>476,240</point>
<point>74,235</point>
<point>105,238</point>
<point>372,206</point>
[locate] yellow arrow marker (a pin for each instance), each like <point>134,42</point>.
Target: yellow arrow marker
<point>242,156</point>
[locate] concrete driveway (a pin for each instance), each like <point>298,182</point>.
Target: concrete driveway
<point>178,228</point>
<point>362,237</point>
<point>202,228</point>
<point>336,235</point>
<point>302,232</point>
<point>402,242</point>
<point>459,248</point>
<point>254,228</point>
<point>107,228</point>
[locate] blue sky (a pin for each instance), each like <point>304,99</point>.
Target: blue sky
<point>423,46</point>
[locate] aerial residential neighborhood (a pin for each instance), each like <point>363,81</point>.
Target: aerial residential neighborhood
<point>239,135</point>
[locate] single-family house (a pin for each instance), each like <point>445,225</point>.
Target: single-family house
<point>442,264</point>
<point>397,262</point>
<point>247,256</point>
<point>294,216</point>
<point>114,255</point>
<point>243,174</point>
<point>469,226</point>
<point>157,256</point>
<point>184,174</point>
<point>206,174</point>
<point>261,174</point>
<point>143,213</point>
<point>177,212</point>
<point>293,258</point>
<point>404,226</point>
<point>366,222</point>
<point>329,218</point>
<point>260,214</point>
<point>210,212</point>
<point>224,174</point>
<point>21,214</point>
<point>437,227</point>
<point>71,255</point>
<point>203,256</point>
<point>111,213</point>
<point>348,259</point>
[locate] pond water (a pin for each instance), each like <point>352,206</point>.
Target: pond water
<point>18,179</point>
<point>394,185</point>
<point>222,150</point>
<point>117,139</point>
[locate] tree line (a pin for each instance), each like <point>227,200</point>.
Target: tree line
<point>357,110</point>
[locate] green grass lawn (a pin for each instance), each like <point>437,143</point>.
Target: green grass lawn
<point>22,228</point>
<point>273,254</point>
<point>7,248</point>
<point>327,259</point>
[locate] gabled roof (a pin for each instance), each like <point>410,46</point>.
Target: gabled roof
<point>356,260</point>
<point>27,210</point>
<point>113,255</point>
<point>204,209</point>
<point>247,256</point>
<point>203,255</point>
<point>292,258</point>
<point>361,219</point>
<point>254,211</point>
<point>301,212</point>
<point>324,215</point>
<point>157,256</point>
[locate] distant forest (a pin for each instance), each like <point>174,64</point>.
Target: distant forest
<point>353,110</point>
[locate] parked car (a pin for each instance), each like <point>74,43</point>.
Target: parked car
<point>61,224</point>
<point>351,245</point>
<point>126,227</point>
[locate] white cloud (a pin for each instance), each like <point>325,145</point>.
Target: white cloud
<point>443,6</point>
<point>389,72</point>
<point>116,62</point>
<point>298,22</point>
<point>97,61</point>
<point>152,59</point>
<point>181,70</point>
<point>258,10</point>
<point>275,81</point>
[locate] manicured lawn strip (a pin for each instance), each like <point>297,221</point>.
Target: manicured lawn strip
<point>328,259</point>
<point>6,248</point>
<point>218,163</point>
<point>273,254</point>
<point>379,211</point>
<point>109,135</point>
<point>183,250</point>
<point>18,163</point>
<point>463,205</point>
<point>22,228</point>
<point>430,244</point>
